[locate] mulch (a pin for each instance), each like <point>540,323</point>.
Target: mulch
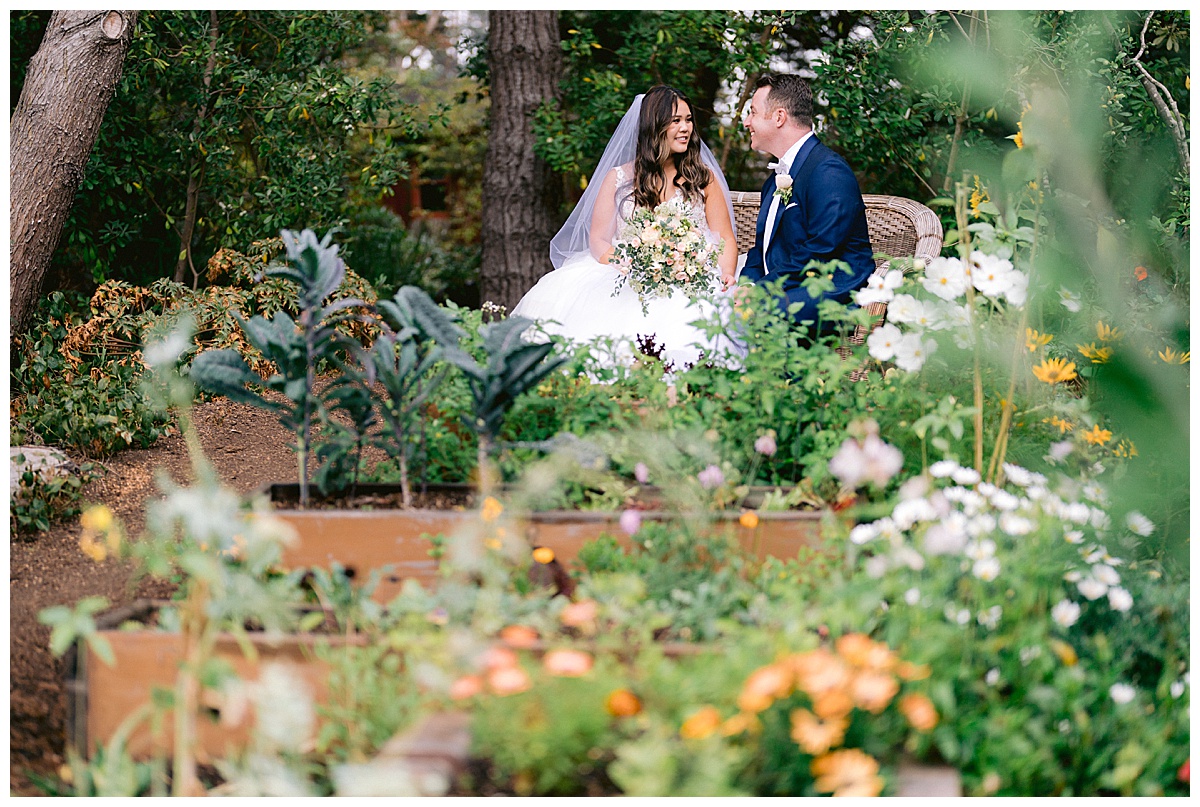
<point>248,448</point>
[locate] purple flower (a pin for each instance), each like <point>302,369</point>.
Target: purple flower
<point>765,445</point>
<point>711,477</point>
<point>641,473</point>
<point>630,521</point>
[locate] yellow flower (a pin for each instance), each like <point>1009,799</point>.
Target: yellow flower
<point>1097,436</point>
<point>492,543</point>
<point>1064,426</point>
<point>92,548</point>
<point>701,724</point>
<point>543,554</point>
<point>1019,137</point>
<point>1106,334</point>
<point>848,772</point>
<point>1066,654</point>
<point>622,703</point>
<point>1125,448</point>
<point>491,509</point>
<point>978,196</point>
<point>740,724</point>
<point>98,518</point>
<point>1034,340</point>
<point>816,736</point>
<point>1052,371</point>
<point>749,519</point>
<point>1174,357</point>
<point>1098,355</point>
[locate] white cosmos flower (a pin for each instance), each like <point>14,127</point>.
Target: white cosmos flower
<point>913,596</point>
<point>1138,524</point>
<point>1014,524</point>
<point>943,468</point>
<point>991,617</point>
<point>1059,451</point>
<point>992,677</point>
<point>1119,599</point>
<point>978,550</point>
<point>986,569</point>
<point>863,533</point>
<point>1106,574</point>
<point>1065,613</point>
<point>966,476</point>
<point>1018,475</point>
<point>1018,290</point>
<point>1070,300</point>
<point>991,276</point>
<point>905,308</point>
<point>910,511</point>
<point>1177,689</point>
<point>1092,588</point>
<point>912,351</point>
<point>879,288</point>
<point>1122,693</point>
<point>883,341</point>
<point>945,278</point>
<point>946,537</point>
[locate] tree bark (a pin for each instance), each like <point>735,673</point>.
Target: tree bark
<point>521,195</point>
<point>69,84</point>
<point>196,169</point>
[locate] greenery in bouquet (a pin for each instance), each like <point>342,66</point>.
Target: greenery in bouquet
<point>660,251</point>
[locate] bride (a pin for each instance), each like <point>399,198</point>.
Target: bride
<point>653,156</point>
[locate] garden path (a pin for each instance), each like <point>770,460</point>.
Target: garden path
<point>248,448</point>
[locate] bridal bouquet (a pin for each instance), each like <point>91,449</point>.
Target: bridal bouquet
<point>658,251</point>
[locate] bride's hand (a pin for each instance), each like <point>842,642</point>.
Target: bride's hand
<point>727,280</point>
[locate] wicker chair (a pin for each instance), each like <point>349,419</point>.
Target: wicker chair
<point>898,228</point>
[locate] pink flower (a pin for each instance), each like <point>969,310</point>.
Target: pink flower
<point>871,461</point>
<point>641,473</point>
<point>765,445</point>
<point>711,477</point>
<point>630,521</point>
<point>571,663</point>
<point>508,680</point>
<point>579,614</point>
<point>468,686</point>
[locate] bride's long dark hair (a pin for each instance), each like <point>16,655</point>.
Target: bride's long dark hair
<point>649,180</point>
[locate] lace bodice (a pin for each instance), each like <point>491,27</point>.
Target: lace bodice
<point>625,205</point>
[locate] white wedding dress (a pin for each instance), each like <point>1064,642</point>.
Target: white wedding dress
<point>576,301</point>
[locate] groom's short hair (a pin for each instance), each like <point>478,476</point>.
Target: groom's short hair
<point>790,92</point>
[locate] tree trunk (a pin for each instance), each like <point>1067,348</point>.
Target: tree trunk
<point>196,169</point>
<point>521,195</point>
<point>67,89</point>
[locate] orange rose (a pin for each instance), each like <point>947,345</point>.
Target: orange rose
<point>764,686</point>
<point>919,711</point>
<point>873,691</point>
<point>861,651</point>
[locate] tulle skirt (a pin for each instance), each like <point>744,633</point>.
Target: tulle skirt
<point>576,301</point>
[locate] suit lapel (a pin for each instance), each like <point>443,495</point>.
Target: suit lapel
<point>794,170</point>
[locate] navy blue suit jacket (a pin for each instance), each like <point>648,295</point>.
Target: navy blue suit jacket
<point>824,220</point>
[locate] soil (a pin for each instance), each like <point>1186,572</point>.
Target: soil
<point>249,449</point>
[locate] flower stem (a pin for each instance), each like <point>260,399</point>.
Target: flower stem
<point>964,249</point>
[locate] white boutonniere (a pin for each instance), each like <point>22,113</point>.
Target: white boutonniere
<point>783,187</point>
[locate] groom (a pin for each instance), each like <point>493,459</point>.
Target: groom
<point>811,208</point>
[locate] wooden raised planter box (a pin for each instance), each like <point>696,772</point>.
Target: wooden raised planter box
<point>362,540</point>
<point>100,698</point>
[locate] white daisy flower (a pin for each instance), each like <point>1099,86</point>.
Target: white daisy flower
<point>910,511</point>
<point>1177,689</point>
<point>863,533</point>
<point>1106,574</point>
<point>986,569</point>
<point>1028,654</point>
<point>1017,475</point>
<point>1065,613</point>
<point>913,596</point>
<point>1014,524</point>
<point>1073,537</point>
<point>1138,524</point>
<point>1003,500</point>
<point>1073,576</point>
<point>978,550</point>
<point>1071,301</point>
<point>982,524</point>
<point>990,618</point>
<point>943,468</point>
<point>876,566</point>
<point>1119,599</point>
<point>1092,588</point>
<point>1122,693</point>
<point>992,677</point>
<point>966,476</point>
<point>946,537</point>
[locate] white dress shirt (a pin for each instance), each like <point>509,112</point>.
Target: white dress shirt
<point>785,162</point>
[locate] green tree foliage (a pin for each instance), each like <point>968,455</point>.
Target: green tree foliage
<point>266,116</point>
